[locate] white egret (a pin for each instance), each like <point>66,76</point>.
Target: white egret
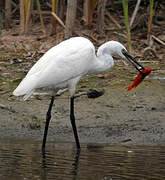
<point>64,65</point>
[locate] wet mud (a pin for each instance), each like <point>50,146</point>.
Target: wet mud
<point>117,117</point>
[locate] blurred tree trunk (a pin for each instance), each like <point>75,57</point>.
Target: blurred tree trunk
<point>88,9</point>
<point>70,17</point>
<point>53,21</point>
<point>7,14</point>
<point>150,22</point>
<point>100,15</point>
<point>28,14</point>
<point>92,5</point>
<point>1,4</point>
<point>1,15</point>
<point>60,9</point>
<point>22,16</point>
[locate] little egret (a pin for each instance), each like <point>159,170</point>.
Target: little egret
<point>64,65</point>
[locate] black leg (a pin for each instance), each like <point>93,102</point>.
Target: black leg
<point>48,117</point>
<point>72,118</point>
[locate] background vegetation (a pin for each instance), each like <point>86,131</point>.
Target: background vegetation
<point>97,19</point>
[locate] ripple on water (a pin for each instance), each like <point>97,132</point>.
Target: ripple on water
<point>24,160</point>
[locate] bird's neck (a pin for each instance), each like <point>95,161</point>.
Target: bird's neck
<point>103,62</point>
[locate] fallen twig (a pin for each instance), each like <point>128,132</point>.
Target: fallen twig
<point>148,61</point>
<point>158,40</point>
<point>113,20</point>
<point>4,92</point>
<point>80,94</point>
<point>2,106</point>
<point>149,49</point>
<point>135,12</point>
<point>58,19</point>
<point>114,29</point>
<point>61,91</point>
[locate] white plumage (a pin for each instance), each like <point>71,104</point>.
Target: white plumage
<point>64,64</point>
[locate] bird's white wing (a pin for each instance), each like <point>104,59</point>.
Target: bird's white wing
<point>67,60</point>
<point>66,67</point>
<point>66,48</point>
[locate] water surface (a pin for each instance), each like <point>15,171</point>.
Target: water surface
<point>24,160</point>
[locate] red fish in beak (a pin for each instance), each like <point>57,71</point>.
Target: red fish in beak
<point>142,71</point>
<point>139,78</point>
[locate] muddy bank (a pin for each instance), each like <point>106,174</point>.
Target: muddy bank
<point>135,117</point>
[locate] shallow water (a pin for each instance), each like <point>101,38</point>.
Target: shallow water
<point>24,160</point>
<point>160,78</point>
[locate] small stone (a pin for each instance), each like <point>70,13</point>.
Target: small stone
<point>34,126</point>
<point>153,108</point>
<point>144,129</point>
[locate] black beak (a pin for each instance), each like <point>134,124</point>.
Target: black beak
<point>133,61</point>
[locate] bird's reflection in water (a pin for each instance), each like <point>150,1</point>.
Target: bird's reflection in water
<point>75,164</point>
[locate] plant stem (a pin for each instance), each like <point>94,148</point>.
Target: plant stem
<point>150,21</point>
<point>53,21</point>
<point>125,8</point>
<point>41,18</point>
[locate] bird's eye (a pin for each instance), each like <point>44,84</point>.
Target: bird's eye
<point>123,51</point>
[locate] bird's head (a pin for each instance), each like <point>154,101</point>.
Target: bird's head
<point>119,50</point>
<point>112,48</point>
<point>116,49</point>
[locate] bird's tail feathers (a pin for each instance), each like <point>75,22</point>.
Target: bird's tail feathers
<point>25,88</point>
<point>26,96</point>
